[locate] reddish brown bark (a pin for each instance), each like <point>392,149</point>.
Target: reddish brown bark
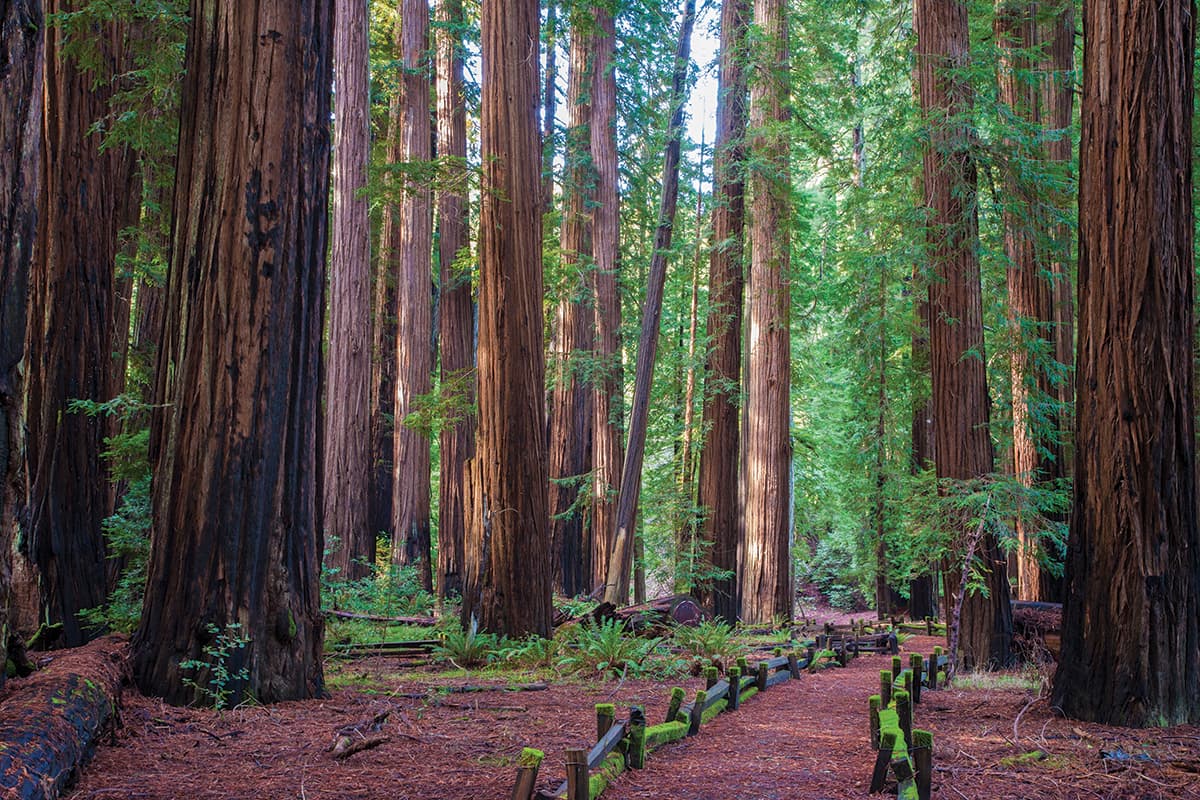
<point>347,475</point>
<point>1131,622</point>
<point>717,488</point>
<point>508,544</point>
<point>237,495</point>
<point>959,381</point>
<point>549,106</point>
<point>456,321</point>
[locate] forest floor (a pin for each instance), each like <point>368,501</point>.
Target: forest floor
<point>804,739</point>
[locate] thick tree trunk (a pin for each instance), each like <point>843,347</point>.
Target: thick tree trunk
<point>21,32</point>
<point>71,325</point>
<point>346,480</point>
<point>960,398</point>
<point>237,496</point>
<point>570,398</point>
<point>616,585</point>
<point>1131,621</point>
<point>508,543</point>
<point>717,490</point>
<point>414,303</point>
<point>766,579</point>
<point>456,320</point>
<point>608,382</point>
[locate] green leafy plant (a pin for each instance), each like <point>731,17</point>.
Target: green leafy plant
<point>467,647</point>
<point>607,648</point>
<point>220,674</point>
<point>709,642</point>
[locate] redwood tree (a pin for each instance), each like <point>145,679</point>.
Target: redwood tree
<point>508,555</point>
<point>765,575</point>
<point>346,480</point>
<point>962,439</point>
<point>237,500</point>
<point>717,489</point>
<point>1131,621</point>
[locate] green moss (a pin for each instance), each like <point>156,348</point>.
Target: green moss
<point>711,713</point>
<point>612,766</point>
<point>922,740</point>
<point>748,693</point>
<point>657,735</point>
<point>292,629</point>
<point>530,758</point>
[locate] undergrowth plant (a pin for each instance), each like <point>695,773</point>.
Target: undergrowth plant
<point>710,642</point>
<point>607,648</point>
<point>216,678</point>
<point>468,647</point>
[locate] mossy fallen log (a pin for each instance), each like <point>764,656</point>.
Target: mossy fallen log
<point>50,721</point>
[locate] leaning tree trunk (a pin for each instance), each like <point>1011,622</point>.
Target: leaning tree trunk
<point>1131,622</point>
<point>717,490</point>
<point>959,379</point>
<point>21,32</point>
<point>765,577</point>
<point>237,499</point>
<point>508,546</point>
<point>414,303</point>
<point>456,318</point>
<point>346,480</point>
<point>71,332</point>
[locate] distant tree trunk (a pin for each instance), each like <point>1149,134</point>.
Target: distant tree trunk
<point>885,595</point>
<point>549,106</point>
<point>347,476</point>
<point>21,32</point>
<point>71,333</point>
<point>616,588</point>
<point>508,545</point>
<point>960,398</point>
<point>414,303</point>
<point>456,320</point>
<point>686,556</point>
<point>922,589</point>
<point>608,406</point>
<point>237,493</point>
<point>717,490</point>
<point>1131,622</point>
<point>766,585</point>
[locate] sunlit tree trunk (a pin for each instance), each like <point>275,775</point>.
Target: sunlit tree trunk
<point>346,480</point>
<point>1131,622</point>
<point>717,486</point>
<point>959,381</point>
<point>766,585</point>
<point>21,32</point>
<point>237,494</point>
<point>685,536</point>
<point>549,105</point>
<point>456,320</point>
<point>508,545</point>
<point>414,302</point>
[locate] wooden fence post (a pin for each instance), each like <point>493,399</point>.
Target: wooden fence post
<point>606,715</point>
<point>914,664</point>
<point>885,687</point>
<point>904,712</point>
<point>577,775</point>
<point>527,773</point>
<point>735,687</point>
<point>922,754</point>
<point>697,712</point>
<point>637,738</point>
<point>887,743</point>
<point>677,695</point>
<point>874,712</point>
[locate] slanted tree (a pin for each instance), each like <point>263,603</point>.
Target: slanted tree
<point>346,479</point>
<point>21,36</point>
<point>960,403</point>
<point>507,588</point>
<point>765,576</point>
<point>1131,621</point>
<point>717,485</point>
<point>237,504</point>
<point>456,317</point>
<point>414,301</point>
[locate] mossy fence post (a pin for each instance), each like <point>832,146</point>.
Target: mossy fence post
<point>578,787</point>
<point>528,764</point>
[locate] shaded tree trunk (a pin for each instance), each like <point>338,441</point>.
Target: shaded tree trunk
<point>456,320</point>
<point>959,380</point>
<point>414,303</point>
<point>237,494</point>
<point>21,39</point>
<point>686,556</point>
<point>347,476</point>
<point>549,106</point>
<point>717,488</point>
<point>616,587</point>
<point>765,577</point>
<point>1131,622</point>
<point>508,544</point>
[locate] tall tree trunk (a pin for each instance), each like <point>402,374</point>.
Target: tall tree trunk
<point>71,332</point>
<point>549,106</point>
<point>456,320</point>
<point>717,491</point>
<point>686,556</point>
<point>237,494</point>
<point>766,580</point>
<point>508,543</point>
<point>414,303</point>
<point>608,382</point>
<point>1131,622</point>
<point>960,399</point>
<point>21,39</point>
<point>922,589</point>
<point>347,478</point>
<point>616,588</point>
<point>570,399</point>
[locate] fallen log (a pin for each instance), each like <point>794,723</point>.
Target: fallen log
<point>424,622</point>
<point>50,722</point>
